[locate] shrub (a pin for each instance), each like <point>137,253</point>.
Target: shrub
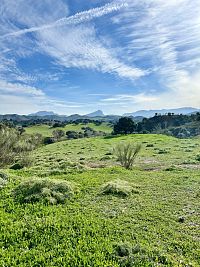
<point>198,157</point>
<point>13,145</point>
<point>16,166</point>
<point>3,179</point>
<point>162,151</point>
<point>123,249</point>
<point>118,187</point>
<point>72,135</point>
<point>46,190</point>
<point>58,134</point>
<point>126,153</point>
<point>48,140</point>
<point>150,145</point>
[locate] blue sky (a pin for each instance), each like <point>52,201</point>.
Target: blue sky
<point>75,56</point>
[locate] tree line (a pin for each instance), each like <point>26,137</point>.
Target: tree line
<point>171,124</point>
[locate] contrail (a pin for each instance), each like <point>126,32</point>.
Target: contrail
<point>72,20</point>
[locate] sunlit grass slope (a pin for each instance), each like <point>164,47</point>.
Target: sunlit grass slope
<point>155,225</point>
<point>46,130</point>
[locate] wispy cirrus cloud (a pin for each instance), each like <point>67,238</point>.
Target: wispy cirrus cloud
<point>165,35</point>
<point>134,99</point>
<point>79,47</point>
<point>78,18</point>
<point>150,49</point>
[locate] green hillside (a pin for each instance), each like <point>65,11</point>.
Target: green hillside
<point>46,130</point>
<point>156,225</point>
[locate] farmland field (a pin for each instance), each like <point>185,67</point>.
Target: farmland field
<point>156,225</point>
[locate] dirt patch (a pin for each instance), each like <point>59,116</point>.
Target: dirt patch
<point>96,165</point>
<point>158,168</point>
<point>189,166</point>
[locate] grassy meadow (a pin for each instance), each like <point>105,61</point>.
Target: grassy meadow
<point>46,130</point>
<point>157,224</point>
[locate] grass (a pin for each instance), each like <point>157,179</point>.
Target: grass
<point>118,188</point>
<point>46,190</point>
<point>46,130</point>
<point>95,229</point>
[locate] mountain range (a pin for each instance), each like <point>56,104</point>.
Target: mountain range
<point>139,113</point>
<point>151,113</point>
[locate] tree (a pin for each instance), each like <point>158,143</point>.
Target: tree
<point>58,134</point>
<point>72,135</point>
<point>125,125</point>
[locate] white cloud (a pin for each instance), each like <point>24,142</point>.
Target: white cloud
<point>19,89</point>
<point>158,36</point>
<point>72,20</point>
<point>134,99</point>
<point>80,48</point>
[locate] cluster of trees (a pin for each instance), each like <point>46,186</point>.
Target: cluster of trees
<point>177,125</point>
<point>26,121</point>
<point>59,135</point>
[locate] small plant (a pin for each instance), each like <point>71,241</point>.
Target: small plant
<point>162,151</point>
<point>118,187</point>
<point>198,157</point>
<point>150,145</point>
<point>3,179</point>
<point>46,190</point>
<point>126,153</point>
<point>123,249</point>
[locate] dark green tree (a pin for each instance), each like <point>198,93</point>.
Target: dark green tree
<point>125,125</point>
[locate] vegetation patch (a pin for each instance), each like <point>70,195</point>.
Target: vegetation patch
<point>126,153</point>
<point>45,190</point>
<point>3,179</point>
<point>198,157</point>
<point>119,188</point>
<point>128,255</point>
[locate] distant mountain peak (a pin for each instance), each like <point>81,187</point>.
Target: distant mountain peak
<point>98,113</point>
<point>151,113</point>
<point>43,113</point>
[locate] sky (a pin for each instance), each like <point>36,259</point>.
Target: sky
<point>75,56</point>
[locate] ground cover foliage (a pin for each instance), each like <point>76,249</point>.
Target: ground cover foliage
<point>155,224</point>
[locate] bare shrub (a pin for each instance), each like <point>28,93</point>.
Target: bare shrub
<point>126,152</point>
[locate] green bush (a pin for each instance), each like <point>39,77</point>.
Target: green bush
<point>58,134</point>
<point>126,153</point>
<point>45,190</point>
<point>198,157</point>
<point>118,187</point>
<point>123,249</point>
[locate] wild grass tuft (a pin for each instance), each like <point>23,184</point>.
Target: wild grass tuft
<point>118,187</point>
<point>45,190</point>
